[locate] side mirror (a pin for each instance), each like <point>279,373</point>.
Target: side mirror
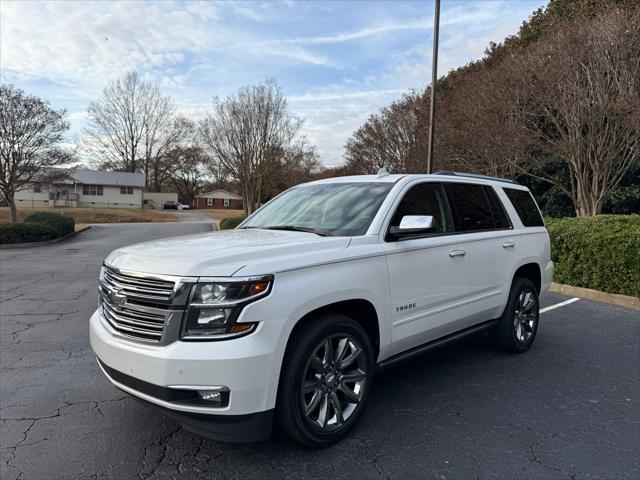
<point>412,225</point>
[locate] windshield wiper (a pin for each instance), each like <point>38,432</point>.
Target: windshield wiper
<point>294,228</point>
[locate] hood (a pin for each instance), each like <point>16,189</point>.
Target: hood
<point>221,253</point>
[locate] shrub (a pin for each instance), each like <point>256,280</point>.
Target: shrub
<point>37,227</point>
<point>601,252</point>
<point>63,223</point>
<point>231,222</point>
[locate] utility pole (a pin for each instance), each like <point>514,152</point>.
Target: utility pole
<point>434,78</point>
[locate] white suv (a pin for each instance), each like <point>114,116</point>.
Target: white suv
<point>289,316</point>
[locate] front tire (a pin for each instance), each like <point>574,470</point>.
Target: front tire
<point>325,381</point>
<point>518,325</point>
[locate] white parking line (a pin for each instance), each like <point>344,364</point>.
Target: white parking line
<point>558,305</point>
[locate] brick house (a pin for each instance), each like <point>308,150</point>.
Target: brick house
<point>219,199</point>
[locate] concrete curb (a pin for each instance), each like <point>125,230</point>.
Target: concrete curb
<point>47,242</point>
<point>597,296</point>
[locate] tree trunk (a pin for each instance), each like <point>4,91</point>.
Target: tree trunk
<point>245,201</point>
<point>13,212</point>
<point>586,202</point>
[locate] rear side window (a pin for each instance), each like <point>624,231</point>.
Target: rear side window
<point>525,206</point>
<point>426,199</point>
<point>472,208</point>
<point>500,217</point>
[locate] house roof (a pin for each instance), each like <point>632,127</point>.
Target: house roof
<point>127,179</point>
<point>219,194</point>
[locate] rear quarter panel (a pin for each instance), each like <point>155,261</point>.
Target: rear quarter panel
<point>533,246</point>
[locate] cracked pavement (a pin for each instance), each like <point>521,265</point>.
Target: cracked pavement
<point>569,408</point>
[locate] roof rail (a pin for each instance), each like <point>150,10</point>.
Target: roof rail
<point>475,175</point>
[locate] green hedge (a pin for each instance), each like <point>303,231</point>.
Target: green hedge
<point>602,252</point>
<point>37,227</point>
<point>231,222</point>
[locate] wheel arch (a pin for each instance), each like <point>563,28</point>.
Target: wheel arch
<point>359,309</point>
<point>532,272</point>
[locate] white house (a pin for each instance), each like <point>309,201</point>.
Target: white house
<point>86,188</point>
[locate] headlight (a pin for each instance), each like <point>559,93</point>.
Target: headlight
<point>215,307</point>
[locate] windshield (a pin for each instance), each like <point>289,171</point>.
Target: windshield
<point>324,209</point>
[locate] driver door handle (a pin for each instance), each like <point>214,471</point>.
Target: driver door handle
<point>457,253</point>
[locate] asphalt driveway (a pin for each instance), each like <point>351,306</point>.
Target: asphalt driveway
<point>190,216</point>
<point>569,408</point>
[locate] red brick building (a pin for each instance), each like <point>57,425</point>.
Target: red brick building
<point>219,199</point>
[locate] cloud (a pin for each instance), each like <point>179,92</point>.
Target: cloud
<point>337,62</point>
<point>293,53</point>
<point>204,10</point>
<point>315,97</point>
<point>456,17</point>
<point>247,13</point>
<point>358,34</point>
<point>67,39</point>
<point>103,39</point>
<point>332,113</point>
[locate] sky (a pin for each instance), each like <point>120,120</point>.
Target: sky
<point>336,61</point>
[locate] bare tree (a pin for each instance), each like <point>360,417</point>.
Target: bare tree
<point>246,134</point>
<point>129,124</point>
<point>30,136</point>
<point>189,170</point>
<point>479,129</point>
<point>393,138</point>
<point>578,91</point>
<point>160,163</point>
<point>300,163</point>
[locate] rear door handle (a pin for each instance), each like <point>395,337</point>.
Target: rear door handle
<point>508,245</point>
<point>457,253</point>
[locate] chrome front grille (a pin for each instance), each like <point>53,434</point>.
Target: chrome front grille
<point>134,323</point>
<point>143,307</point>
<point>136,287</point>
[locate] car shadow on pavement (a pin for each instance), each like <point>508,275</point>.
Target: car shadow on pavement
<point>467,410</point>
<point>412,406</point>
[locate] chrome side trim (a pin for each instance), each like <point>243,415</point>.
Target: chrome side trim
<point>446,307</point>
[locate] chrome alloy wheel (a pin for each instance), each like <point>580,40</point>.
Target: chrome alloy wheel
<point>333,383</point>
<point>525,316</point>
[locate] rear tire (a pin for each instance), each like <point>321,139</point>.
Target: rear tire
<point>326,378</point>
<point>518,325</point>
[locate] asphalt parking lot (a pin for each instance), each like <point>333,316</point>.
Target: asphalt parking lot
<point>569,408</point>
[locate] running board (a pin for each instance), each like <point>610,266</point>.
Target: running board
<point>434,344</point>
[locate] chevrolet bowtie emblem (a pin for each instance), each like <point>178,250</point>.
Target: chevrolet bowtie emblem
<point>117,299</point>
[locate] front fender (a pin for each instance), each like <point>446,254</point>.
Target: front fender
<point>298,292</point>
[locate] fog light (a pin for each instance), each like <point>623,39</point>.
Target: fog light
<point>218,397</point>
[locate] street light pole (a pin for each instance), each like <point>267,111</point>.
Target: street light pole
<point>434,77</point>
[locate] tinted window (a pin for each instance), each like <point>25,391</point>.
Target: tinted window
<point>525,206</point>
<point>500,217</point>
<point>471,208</point>
<point>426,199</point>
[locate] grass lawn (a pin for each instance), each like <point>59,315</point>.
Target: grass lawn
<point>97,215</point>
<point>219,214</point>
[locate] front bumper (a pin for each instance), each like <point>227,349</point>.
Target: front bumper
<point>253,427</point>
<point>248,366</point>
